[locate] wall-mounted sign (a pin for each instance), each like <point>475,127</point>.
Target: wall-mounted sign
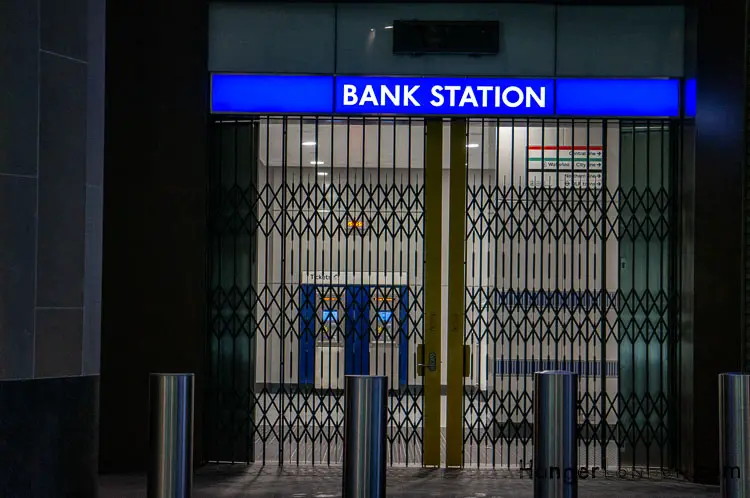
<point>566,166</point>
<point>271,94</point>
<point>618,97</point>
<point>370,95</point>
<point>358,226</point>
<point>414,37</point>
<point>410,96</point>
<point>354,278</point>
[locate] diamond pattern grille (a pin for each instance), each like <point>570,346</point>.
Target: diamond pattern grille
<point>316,269</point>
<point>560,275</point>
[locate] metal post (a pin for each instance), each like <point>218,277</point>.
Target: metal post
<point>365,401</point>
<point>170,471</point>
<point>555,464</point>
<point>734,434</point>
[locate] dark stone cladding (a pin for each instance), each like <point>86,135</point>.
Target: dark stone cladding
<point>48,437</point>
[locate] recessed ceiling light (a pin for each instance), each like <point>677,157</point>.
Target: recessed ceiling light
<point>472,146</point>
<point>316,162</point>
<point>308,144</point>
<point>388,27</point>
<point>322,173</point>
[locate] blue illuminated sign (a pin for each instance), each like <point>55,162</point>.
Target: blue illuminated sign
<point>626,98</point>
<point>408,96</point>
<point>443,96</point>
<point>277,94</point>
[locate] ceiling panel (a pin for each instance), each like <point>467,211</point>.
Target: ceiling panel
<point>384,144</point>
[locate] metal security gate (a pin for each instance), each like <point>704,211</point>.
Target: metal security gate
<point>316,271</point>
<point>571,264</point>
<point>456,257</point>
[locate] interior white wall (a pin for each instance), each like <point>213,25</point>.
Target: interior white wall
<point>572,264</point>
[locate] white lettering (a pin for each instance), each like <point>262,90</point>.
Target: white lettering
<point>468,97</point>
<point>452,90</point>
<point>519,95</point>
<point>540,99</point>
<point>439,99</point>
<point>475,96</point>
<point>350,95</point>
<point>385,92</point>
<point>484,90</point>
<point>368,96</point>
<point>409,95</point>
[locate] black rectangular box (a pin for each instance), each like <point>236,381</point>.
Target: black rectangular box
<point>446,37</point>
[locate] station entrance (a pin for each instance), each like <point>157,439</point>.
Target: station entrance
<point>455,256</point>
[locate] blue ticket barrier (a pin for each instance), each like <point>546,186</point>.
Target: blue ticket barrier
<point>357,345</point>
<point>341,318</point>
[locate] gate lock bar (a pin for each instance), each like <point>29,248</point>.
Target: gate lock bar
<point>432,361</point>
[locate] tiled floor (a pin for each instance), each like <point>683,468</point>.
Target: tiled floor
<point>325,482</point>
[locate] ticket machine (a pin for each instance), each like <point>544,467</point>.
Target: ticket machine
<point>384,334</point>
<point>330,338</point>
<point>352,330</point>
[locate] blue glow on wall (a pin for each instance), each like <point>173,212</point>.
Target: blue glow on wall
<point>618,98</point>
<point>690,96</point>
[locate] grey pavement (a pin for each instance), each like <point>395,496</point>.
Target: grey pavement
<point>233,481</point>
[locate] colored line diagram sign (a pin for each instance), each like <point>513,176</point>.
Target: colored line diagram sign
<point>565,166</point>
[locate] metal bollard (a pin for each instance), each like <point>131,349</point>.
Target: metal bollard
<point>365,401</point>
<point>734,434</point>
<point>170,470</point>
<point>555,464</point>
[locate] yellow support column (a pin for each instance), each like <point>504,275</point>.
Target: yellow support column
<point>429,357</point>
<point>454,430</point>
